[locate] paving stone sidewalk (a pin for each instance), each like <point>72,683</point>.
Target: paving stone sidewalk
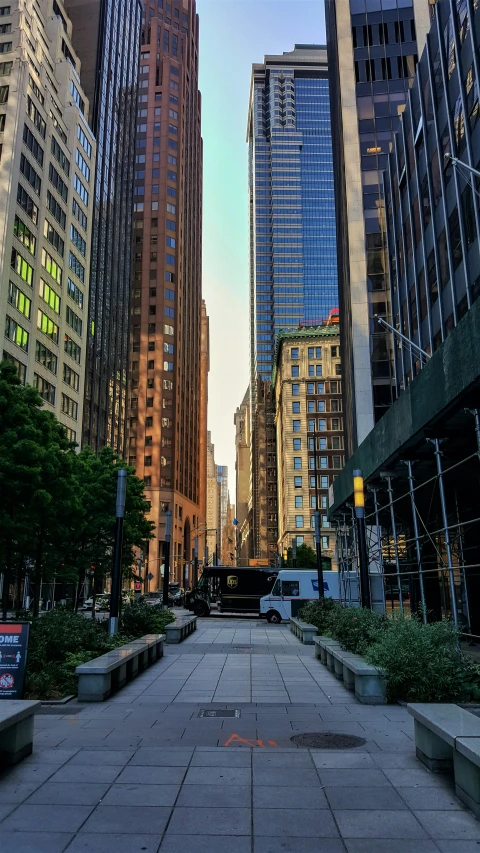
<point>145,773</point>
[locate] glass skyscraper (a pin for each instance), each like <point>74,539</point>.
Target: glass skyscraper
<point>293,266</point>
<point>106,37</point>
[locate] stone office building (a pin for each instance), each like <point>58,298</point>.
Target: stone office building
<point>47,164</point>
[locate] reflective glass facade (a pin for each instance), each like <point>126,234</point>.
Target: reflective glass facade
<point>433,208</point>
<point>379,73</point>
<point>293,277</point>
<point>106,36</point>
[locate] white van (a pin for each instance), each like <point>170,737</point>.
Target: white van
<point>294,588</point>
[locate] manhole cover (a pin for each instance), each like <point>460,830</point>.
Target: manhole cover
<point>327,740</point>
<point>225,712</point>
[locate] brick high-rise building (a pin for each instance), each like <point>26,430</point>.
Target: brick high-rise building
<point>168,403</point>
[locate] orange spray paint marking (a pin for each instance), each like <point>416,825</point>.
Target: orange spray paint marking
<point>248,741</point>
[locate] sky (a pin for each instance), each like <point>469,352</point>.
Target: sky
<point>233,35</point>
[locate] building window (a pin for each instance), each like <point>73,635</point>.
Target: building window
<point>324,482</point>
<point>310,406</point>
<point>18,299</point>
<point>296,426</point>
<point>297,462</point>
<point>311,370</point>
<point>338,370</point>
<point>294,352</point>
<point>325,543</point>
<point>295,370</point>
<point>47,326</point>
<point>295,389</point>
<point>318,369</point>
<point>46,357</point>
<point>310,387</point>
<point>21,267</point>
<point>15,333</point>
<point>320,405</point>
<point>297,482</point>
<point>311,426</point>
<point>72,349</point>
<point>313,502</point>
<point>44,388</point>
<point>296,408</point>
<point>337,462</point>
<point>49,296</point>
<point>299,521</point>
<point>19,367</point>
<point>69,407</point>
<point>297,443</point>
<point>322,424</point>
<point>298,502</point>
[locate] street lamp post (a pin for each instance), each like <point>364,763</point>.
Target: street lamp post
<point>294,552</point>
<point>359,502</point>
<point>195,563</point>
<point>317,522</point>
<point>117,550</point>
<point>166,571</point>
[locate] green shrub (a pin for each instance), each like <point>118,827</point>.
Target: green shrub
<point>356,628</point>
<point>138,619</point>
<point>423,663</point>
<point>320,614</point>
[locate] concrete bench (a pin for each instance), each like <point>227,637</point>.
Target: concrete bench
<point>366,680</point>
<point>16,729</point>
<point>181,628</point>
<point>97,678</point>
<point>303,630</point>
<point>321,644</point>
<point>447,736</point>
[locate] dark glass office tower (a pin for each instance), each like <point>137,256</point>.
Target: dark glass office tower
<point>293,275</point>
<point>433,208</point>
<point>106,37</point>
<point>373,48</point>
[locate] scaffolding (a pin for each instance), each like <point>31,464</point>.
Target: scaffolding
<point>422,521</point>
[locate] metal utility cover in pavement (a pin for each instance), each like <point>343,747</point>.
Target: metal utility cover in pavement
<point>229,712</point>
<point>327,740</point>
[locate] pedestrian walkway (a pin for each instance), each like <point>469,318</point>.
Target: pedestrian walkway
<point>160,769</point>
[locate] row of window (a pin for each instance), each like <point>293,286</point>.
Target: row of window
<point>331,387</point>
<point>334,442</point>
<point>313,370</point>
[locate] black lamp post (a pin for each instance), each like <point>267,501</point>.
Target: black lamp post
<point>117,551</point>
<point>166,571</point>
<point>359,501</point>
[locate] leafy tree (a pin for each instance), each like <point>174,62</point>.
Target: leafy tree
<point>306,557</point>
<point>93,535</point>
<point>35,484</point>
<point>57,506</point>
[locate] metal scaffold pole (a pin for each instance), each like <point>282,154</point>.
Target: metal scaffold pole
<point>448,547</point>
<point>418,550</point>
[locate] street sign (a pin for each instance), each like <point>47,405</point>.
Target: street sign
<point>150,576</point>
<point>13,659</point>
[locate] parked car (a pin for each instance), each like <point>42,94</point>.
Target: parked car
<point>153,599</point>
<point>176,595</point>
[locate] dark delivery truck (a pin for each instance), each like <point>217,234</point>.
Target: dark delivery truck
<point>229,589</point>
